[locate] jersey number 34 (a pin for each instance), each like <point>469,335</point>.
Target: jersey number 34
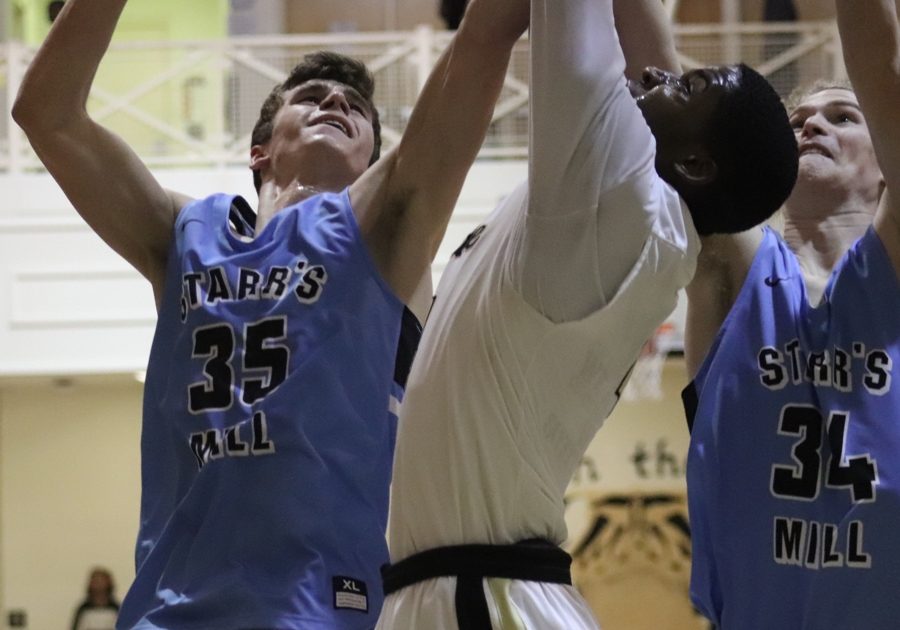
<point>820,440</point>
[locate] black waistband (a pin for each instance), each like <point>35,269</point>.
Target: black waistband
<point>534,560</point>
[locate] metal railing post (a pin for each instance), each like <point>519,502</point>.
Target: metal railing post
<point>671,8</point>
<point>424,61</point>
<point>731,15</point>
<point>838,66</point>
<point>15,56</point>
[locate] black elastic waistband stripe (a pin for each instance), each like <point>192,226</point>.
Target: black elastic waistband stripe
<point>531,560</point>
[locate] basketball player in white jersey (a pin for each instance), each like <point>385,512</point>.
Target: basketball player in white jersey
<point>543,310</point>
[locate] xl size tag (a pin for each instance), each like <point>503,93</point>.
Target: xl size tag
<point>350,593</point>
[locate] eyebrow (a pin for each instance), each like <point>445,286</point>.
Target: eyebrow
<point>829,105</point>
<point>351,92</point>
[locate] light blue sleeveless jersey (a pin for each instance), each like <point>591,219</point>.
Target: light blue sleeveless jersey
<point>269,425</point>
<point>794,463</point>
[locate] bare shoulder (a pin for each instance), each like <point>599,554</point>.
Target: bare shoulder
<point>722,267</point>
<point>156,262</point>
<point>725,259</point>
<point>887,226</point>
<point>378,205</point>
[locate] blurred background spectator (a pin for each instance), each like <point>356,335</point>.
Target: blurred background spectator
<point>99,609</point>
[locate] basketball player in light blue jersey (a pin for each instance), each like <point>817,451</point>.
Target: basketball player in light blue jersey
<point>275,374</point>
<point>793,341</point>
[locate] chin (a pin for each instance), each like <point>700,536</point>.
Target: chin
<point>814,172</point>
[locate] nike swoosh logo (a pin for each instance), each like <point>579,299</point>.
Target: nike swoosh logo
<point>773,281</point>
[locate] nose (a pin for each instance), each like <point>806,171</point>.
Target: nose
<point>653,76</point>
<point>813,126</point>
<point>336,99</point>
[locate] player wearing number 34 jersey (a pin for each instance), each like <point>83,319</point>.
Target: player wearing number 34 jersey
<point>799,401</point>
<point>794,342</point>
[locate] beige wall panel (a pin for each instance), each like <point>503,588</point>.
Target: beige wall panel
<point>69,493</point>
<point>627,515</point>
<point>808,10</point>
<point>701,11</point>
<point>815,9</point>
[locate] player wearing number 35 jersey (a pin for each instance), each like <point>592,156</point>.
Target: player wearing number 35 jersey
<point>788,496</point>
<point>267,419</point>
<point>275,375</point>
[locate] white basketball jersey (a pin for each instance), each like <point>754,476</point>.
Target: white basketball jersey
<point>502,402</point>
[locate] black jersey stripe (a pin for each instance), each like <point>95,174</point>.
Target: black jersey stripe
<point>690,402</point>
<point>407,344</point>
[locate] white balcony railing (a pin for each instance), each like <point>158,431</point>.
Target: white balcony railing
<point>195,103</point>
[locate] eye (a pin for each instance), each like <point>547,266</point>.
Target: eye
<point>697,83</point>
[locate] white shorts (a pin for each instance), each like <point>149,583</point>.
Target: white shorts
<point>512,605</point>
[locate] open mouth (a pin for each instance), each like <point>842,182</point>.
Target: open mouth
<point>814,149</point>
<point>636,88</point>
<point>333,122</point>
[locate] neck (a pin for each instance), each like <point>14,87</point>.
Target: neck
<point>274,198</point>
<point>821,231</point>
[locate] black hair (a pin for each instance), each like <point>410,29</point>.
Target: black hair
<point>325,65</point>
<point>53,9</point>
<point>755,151</point>
<point>452,12</point>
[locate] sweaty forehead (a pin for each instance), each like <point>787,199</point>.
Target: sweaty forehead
<point>829,97</point>
<point>323,85</point>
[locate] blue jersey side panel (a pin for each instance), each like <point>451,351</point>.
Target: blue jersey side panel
<point>269,425</point>
<point>792,492</point>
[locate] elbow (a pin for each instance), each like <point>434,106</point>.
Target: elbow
<point>29,114</point>
<point>23,112</point>
<point>37,109</point>
<point>38,118</point>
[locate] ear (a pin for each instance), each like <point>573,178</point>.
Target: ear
<point>697,170</point>
<point>259,157</point>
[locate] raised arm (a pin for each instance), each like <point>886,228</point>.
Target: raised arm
<point>591,159</point>
<point>101,176</point>
<point>404,202</point>
<point>645,34</point>
<point>870,37</point>
<point>586,133</point>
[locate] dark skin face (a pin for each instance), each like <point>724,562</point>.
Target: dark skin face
<point>678,110</point>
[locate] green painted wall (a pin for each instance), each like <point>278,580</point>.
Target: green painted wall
<point>142,19</point>
<point>160,115</point>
